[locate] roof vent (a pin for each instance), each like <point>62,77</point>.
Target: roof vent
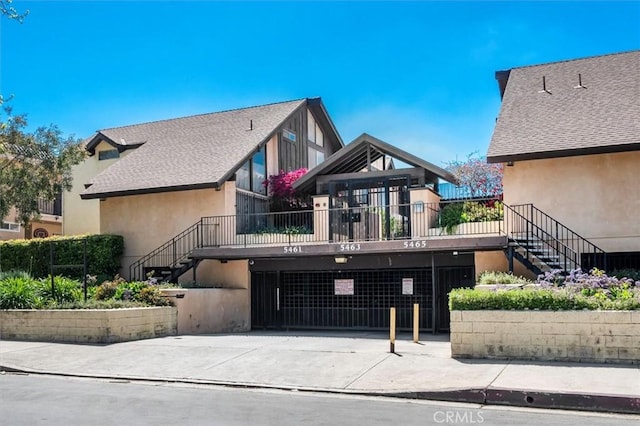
<point>122,142</point>
<point>544,86</point>
<point>250,124</point>
<point>579,86</point>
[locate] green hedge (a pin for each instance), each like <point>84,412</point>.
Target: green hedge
<point>537,298</point>
<point>34,256</point>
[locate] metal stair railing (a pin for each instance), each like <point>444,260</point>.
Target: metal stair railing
<point>169,254</point>
<point>528,223</point>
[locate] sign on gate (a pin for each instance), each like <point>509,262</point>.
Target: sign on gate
<point>407,286</point>
<point>343,287</point>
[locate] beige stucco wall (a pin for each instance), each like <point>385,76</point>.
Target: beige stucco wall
<point>213,273</point>
<point>11,235</point>
<point>88,325</point>
<point>52,224</point>
<point>583,336</point>
<point>83,216</point>
<point>597,196</point>
<point>212,310</point>
<point>149,220</point>
<point>497,261</point>
<point>421,221</point>
<point>321,218</point>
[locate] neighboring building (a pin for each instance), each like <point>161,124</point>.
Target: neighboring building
<point>569,134</point>
<point>48,224</point>
<point>104,149</point>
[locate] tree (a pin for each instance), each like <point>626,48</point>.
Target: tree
<point>32,165</point>
<point>9,11</point>
<point>477,177</point>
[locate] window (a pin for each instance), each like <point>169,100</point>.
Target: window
<point>314,134</point>
<point>289,135</point>
<point>243,176</point>
<point>9,226</point>
<point>108,154</point>
<point>315,142</point>
<point>253,173</point>
<point>315,157</point>
<point>259,172</point>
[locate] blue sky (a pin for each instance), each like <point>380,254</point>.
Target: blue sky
<point>419,75</point>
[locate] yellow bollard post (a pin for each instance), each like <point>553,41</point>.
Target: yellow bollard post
<point>392,330</point>
<point>416,323</point>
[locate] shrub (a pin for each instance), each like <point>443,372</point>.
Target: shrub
<point>19,293</point>
<point>14,273</point>
<point>99,304</point>
<point>578,290</point>
<point>144,293</point>
<point>451,216</point>
<point>283,196</point>
<point>103,254</point>
<point>129,290</point>
<point>474,211</point>
<point>497,277</point>
<point>107,290</point>
<point>151,295</point>
<point>633,274</point>
<point>65,289</point>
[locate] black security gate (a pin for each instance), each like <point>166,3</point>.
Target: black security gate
<point>447,279</point>
<point>308,299</point>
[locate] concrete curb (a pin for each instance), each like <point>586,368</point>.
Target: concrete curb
<point>486,396</point>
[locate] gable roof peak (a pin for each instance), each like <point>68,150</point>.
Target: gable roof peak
<point>584,58</point>
<point>203,115</point>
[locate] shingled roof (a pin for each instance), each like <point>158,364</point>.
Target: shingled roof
<point>200,151</point>
<point>586,106</point>
<point>357,155</point>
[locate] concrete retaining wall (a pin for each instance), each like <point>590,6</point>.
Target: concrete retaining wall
<point>583,336</point>
<point>211,310</point>
<point>88,325</point>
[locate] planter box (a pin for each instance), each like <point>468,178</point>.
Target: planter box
<point>470,228</point>
<point>581,336</point>
<point>88,325</point>
<point>272,239</point>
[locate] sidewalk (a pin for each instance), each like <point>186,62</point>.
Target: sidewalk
<point>342,362</point>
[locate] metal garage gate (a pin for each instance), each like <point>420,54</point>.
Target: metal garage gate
<point>308,299</point>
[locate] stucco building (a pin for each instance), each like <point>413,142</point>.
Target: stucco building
<point>187,194</point>
<point>569,135</point>
<point>370,228</point>
<point>47,225</point>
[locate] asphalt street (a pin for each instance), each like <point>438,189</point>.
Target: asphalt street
<point>56,400</point>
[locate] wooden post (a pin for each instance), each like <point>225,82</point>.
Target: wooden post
<point>392,330</point>
<point>416,323</point>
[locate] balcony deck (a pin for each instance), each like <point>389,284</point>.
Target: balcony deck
<point>337,232</point>
<point>303,249</point>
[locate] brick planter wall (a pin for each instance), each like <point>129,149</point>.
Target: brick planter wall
<point>583,336</point>
<point>88,325</point>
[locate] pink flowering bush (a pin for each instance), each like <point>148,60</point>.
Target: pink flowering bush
<point>280,187</point>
